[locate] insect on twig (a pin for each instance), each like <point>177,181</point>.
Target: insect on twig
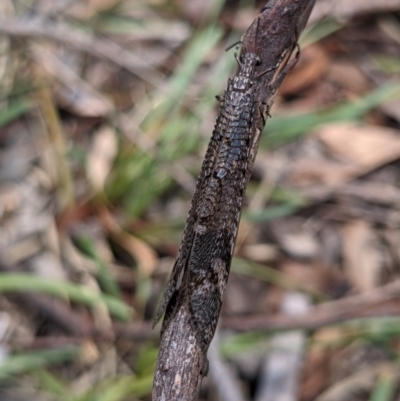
<point>193,298</point>
<point>201,271</point>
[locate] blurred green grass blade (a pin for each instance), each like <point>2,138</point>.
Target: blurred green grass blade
<point>388,63</point>
<point>128,168</point>
<point>194,56</point>
<point>272,212</point>
<point>51,384</point>
<point>380,330</point>
<point>288,201</point>
<point>282,129</point>
<point>385,388</point>
<point>273,276</point>
<point>159,232</point>
<point>243,342</point>
<point>216,82</point>
<point>29,361</point>
<point>136,173</point>
<point>146,360</point>
<point>357,109</point>
<point>197,51</point>
<point>126,386</point>
<point>176,138</point>
<point>318,31</point>
<point>174,132</point>
<point>214,9</point>
<point>150,186</point>
<point>13,111</point>
<point>285,195</point>
<point>352,330</point>
<point>118,24</point>
<point>14,282</point>
<point>105,278</point>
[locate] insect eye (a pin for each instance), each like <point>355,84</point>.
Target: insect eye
<point>258,61</point>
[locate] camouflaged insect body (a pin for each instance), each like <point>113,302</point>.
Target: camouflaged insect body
<point>201,271</point>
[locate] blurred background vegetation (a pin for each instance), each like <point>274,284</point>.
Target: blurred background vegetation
<point>106,108</point>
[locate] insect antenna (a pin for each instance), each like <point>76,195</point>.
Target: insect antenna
<point>236,56</point>
<point>239,42</point>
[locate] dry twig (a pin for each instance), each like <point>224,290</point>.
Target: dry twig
<point>353,307</point>
<point>103,48</point>
<point>193,305</point>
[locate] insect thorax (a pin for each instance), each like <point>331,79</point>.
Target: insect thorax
<point>244,80</point>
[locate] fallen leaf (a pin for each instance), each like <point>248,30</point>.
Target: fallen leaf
<point>312,66</point>
<point>305,172</point>
<point>260,252</point>
<point>294,238</point>
<point>311,275</point>
<point>364,146</point>
<point>144,255</point>
<point>362,258</point>
<point>302,245</point>
<point>358,149</point>
<point>347,75</point>
<point>316,365</point>
<point>101,157</point>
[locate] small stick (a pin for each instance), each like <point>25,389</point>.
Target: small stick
<point>193,298</point>
<point>329,313</point>
<point>64,34</point>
